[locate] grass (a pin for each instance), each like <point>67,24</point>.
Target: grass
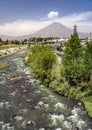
<point>7,46</point>
<point>3,65</point>
<point>88,105</point>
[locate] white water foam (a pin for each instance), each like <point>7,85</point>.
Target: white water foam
<point>60,106</point>
<point>76,119</point>
<point>67,125</point>
<point>2,104</point>
<point>18,118</point>
<point>58,129</point>
<point>56,119</point>
<point>41,129</point>
<point>7,127</point>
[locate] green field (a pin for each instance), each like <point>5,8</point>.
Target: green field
<point>7,46</point>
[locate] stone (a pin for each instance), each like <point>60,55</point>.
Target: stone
<point>40,103</point>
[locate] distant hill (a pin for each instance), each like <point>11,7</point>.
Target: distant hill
<point>55,30</point>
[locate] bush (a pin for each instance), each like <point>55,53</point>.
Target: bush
<point>58,81</point>
<point>41,59</point>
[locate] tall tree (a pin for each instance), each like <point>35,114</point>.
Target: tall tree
<point>72,60</point>
<point>88,60</point>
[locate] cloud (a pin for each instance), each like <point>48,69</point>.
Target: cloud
<point>24,27</point>
<point>82,20</point>
<point>52,15</point>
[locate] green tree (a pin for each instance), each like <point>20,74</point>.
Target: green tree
<point>41,58</point>
<point>88,61</point>
<point>72,60</point>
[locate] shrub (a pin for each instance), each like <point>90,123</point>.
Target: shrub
<point>41,59</point>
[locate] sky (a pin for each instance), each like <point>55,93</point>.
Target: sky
<point>23,17</point>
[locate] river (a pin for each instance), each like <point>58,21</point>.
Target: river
<point>25,104</point>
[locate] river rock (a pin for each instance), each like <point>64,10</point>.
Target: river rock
<point>76,128</point>
<point>40,103</point>
<point>28,124</point>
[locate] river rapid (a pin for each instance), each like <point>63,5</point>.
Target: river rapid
<point>25,104</point>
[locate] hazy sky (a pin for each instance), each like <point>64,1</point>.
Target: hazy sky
<point>21,17</point>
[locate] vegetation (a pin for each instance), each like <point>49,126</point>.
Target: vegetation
<point>72,60</point>
<point>3,65</point>
<point>40,40</point>
<point>7,46</point>
<point>41,59</point>
<point>88,61</point>
<point>74,75</point>
<point>3,42</point>
<point>88,106</point>
<point>88,77</point>
<point>71,78</point>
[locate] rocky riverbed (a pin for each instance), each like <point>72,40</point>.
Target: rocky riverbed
<point>25,104</point>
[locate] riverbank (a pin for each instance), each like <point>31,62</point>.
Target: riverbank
<point>3,47</point>
<point>8,50</point>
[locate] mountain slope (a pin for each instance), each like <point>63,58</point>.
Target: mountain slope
<point>54,30</point>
